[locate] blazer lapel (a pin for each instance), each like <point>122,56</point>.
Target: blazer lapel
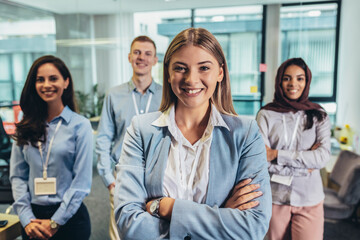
<point>156,168</point>
<point>222,163</point>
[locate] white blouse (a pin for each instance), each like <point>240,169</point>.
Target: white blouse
<point>187,172</point>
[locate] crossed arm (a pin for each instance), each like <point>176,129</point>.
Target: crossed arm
<point>239,216</point>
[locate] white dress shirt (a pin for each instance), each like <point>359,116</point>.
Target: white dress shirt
<point>187,170</point>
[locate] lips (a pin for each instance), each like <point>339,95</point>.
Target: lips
<point>293,91</point>
<point>141,64</point>
<point>192,91</point>
<point>48,93</point>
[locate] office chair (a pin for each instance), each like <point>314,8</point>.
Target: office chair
<point>343,204</point>
<point>5,152</point>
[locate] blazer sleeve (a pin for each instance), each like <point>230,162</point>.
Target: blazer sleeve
<point>130,193</point>
<point>201,221</point>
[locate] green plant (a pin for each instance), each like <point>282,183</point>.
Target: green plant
<point>90,104</point>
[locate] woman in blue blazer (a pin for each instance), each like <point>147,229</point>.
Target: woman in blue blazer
<point>184,171</point>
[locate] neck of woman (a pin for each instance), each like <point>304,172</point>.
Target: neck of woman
<point>192,122</point>
<point>54,110</point>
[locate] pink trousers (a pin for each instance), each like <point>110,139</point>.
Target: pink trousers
<point>296,223</point>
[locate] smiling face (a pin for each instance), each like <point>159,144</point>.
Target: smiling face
<point>293,82</point>
<point>50,84</point>
<point>142,57</point>
<point>193,76</point>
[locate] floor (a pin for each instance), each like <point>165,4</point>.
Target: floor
<point>98,205</point>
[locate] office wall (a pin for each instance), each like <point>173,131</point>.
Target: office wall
<point>112,65</point>
<point>348,83</point>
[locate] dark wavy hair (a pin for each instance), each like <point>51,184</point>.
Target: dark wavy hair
<point>31,128</point>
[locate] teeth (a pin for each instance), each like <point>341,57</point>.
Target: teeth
<point>194,91</point>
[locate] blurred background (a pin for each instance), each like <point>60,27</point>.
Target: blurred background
<point>93,38</point>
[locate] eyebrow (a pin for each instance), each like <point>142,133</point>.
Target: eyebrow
<point>135,49</point>
<point>296,75</point>
<point>208,61</point>
<point>40,76</point>
<point>199,63</point>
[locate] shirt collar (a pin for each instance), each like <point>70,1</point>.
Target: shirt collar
<point>167,119</point>
<point>151,88</point>
<point>65,114</point>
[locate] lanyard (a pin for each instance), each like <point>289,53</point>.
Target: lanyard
<point>147,105</point>
<point>49,150</point>
<point>294,133</point>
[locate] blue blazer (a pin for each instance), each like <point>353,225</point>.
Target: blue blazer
<point>236,154</point>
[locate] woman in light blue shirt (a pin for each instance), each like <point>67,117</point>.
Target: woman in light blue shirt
<point>51,160</point>
<point>184,171</point>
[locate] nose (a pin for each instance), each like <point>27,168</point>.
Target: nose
<point>141,55</point>
<point>192,77</point>
<point>292,82</point>
<point>46,83</point>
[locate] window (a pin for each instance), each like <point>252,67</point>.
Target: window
<point>239,31</point>
<point>309,31</point>
<point>25,34</point>
<point>161,26</point>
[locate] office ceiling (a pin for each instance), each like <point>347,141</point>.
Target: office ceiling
<point>116,6</point>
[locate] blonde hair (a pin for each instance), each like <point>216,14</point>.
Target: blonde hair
<point>202,38</point>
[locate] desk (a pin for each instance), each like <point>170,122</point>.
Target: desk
<point>12,230</point>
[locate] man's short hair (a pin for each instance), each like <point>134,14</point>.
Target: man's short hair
<point>143,38</point>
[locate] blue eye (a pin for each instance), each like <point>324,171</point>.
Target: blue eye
<point>179,69</point>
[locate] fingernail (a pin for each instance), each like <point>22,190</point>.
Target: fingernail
<point>259,193</point>
<point>257,185</point>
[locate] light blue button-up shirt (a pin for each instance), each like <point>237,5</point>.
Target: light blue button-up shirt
<point>70,162</point>
<point>116,115</point>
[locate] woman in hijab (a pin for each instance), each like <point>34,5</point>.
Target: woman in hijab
<point>296,133</point>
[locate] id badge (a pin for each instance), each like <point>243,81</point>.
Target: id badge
<point>285,180</point>
<point>45,187</point>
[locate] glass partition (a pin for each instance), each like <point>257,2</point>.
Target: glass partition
<point>309,31</point>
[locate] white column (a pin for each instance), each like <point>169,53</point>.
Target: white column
<point>113,67</point>
<point>272,46</point>
<point>348,82</point>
